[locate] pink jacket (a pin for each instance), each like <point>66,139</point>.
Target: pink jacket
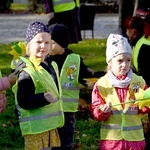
<point>97,100</point>
<point>4,85</point>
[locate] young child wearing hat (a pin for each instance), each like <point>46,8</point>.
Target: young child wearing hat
<point>37,92</point>
<point>72,71</point>
<point>112,99</point>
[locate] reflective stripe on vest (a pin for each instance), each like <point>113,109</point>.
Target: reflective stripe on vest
<point>47,117</point>
<point>136,50</point>
<point>122,123</point>
<point>70,88</point>
<point>69,81</point>
<point>39,117</point>
<point>70,100</point>
<point>128,112</point>
<point>114,126</point>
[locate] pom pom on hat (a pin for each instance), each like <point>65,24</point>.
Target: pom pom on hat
<point>59,34</point>
<point>117,44</point>
<point>33,29</point>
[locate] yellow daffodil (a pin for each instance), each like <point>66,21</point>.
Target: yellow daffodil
<point>18,50</point>
<point>146,99</point>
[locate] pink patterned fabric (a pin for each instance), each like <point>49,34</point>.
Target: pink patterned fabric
<point>121,145</point>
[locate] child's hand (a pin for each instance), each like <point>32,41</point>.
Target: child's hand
<point>106,108</point>
<point>49,97</point>
<point>89,84</point>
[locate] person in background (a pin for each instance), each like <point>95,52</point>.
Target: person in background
<point>112,99</point>
<point>38,92</point>
<point>5,83</point>
<point>138,33</point>
<point>66,13</point>
<point>147,18</point>
<point>72,72</point>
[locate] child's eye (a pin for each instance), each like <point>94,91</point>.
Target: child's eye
<point>47,42</point>
<point>120,60</point>
<point>38,42</point>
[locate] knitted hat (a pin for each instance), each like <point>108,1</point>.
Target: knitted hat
<point>117,44</point>
<point>59,34</point>
<point>33,29</point>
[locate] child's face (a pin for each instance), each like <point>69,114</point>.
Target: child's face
<point>120,65</point>
<point>56,49</point>
<point>40,45</point>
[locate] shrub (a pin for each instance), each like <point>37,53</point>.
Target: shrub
<point>36,6</point>
<point>5,5</point>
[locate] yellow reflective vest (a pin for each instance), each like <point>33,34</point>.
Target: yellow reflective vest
<point>44,118</point>
<point>69,82</point>
<point>65,5</point>
<point>122,123</point>
<point>136,50</point>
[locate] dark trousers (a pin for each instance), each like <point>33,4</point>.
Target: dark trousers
<point>66,133</point>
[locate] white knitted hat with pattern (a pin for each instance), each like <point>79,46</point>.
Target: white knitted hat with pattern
<point>117,44</point>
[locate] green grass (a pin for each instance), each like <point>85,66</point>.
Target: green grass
<point>87,129</point>
<point>92,52</point>
<point>29,7</point>
<point>18,6</point>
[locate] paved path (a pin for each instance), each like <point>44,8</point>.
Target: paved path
<point>13,26</point>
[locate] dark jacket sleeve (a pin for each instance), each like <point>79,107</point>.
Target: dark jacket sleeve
<point>48,6</point>
<point>143,62</point>
<point>27,99</point>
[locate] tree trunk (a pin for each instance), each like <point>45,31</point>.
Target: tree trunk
<point>126,9</point>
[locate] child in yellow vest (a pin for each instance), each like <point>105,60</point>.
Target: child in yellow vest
<point>38,92</point>
<point>113,99</point>
<point>72,72</point>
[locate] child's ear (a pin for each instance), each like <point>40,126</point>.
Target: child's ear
<point>28,49</point>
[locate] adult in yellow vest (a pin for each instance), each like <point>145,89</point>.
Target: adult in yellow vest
<point>112,99</point>
<point>72,71</point>
<point>65,12</point>
<point>138,33</point>
<point>38,92</point>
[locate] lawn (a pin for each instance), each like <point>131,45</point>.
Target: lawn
<point>18,6</point>
<point>87,129</point>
